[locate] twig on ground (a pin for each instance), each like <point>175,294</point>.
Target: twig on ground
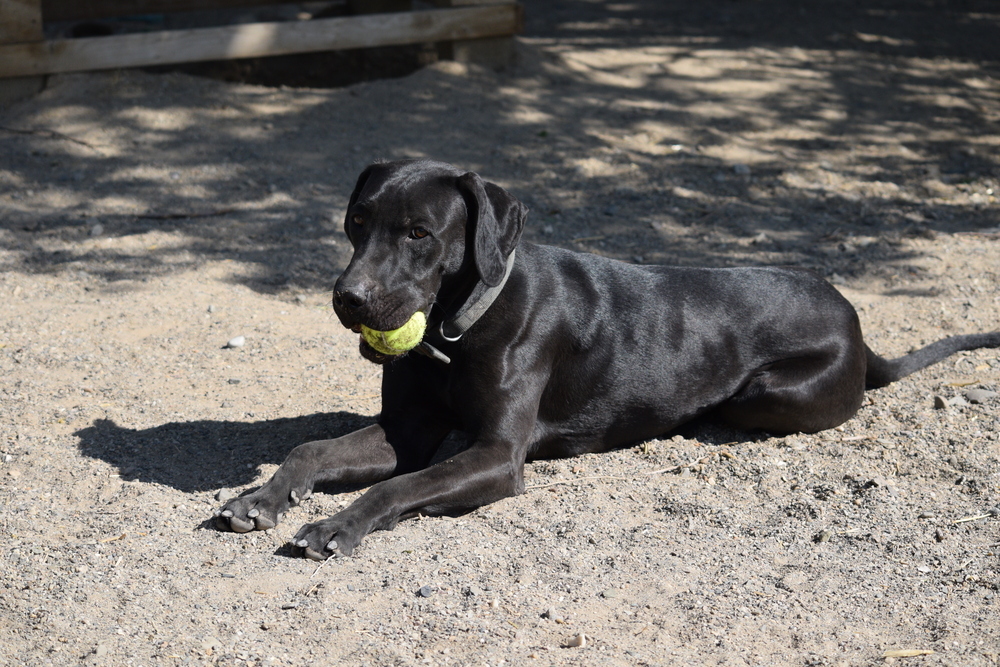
<point>52,134</point>
<point>182,216</point>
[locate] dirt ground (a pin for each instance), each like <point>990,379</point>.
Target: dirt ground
<point>146,219</point>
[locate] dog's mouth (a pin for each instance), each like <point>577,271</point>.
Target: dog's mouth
<point>373,355</point>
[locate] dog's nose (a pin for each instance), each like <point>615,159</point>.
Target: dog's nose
<point>348,300</point>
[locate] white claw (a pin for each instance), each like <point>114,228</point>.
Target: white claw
<point>227,513</point>
<point>253,513</point>
<point>331,545</point>
<point>294,496</point>
<point>302,543</point>
<point>307,494</point>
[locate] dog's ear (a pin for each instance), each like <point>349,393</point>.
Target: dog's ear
<point>358,187</point>
<point>496,220</point>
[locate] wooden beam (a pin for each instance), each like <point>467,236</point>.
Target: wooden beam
<point>258,39</point>
<point>92,10</point>
<point>20,21</point>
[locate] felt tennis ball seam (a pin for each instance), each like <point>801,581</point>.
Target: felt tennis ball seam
<point>397,341</point>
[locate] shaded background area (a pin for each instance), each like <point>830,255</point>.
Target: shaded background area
<point>727,132</point>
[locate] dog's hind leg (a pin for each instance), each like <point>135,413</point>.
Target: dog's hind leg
<point>808,393</point>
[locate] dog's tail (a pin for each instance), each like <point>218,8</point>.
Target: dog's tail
<point>882,371</point>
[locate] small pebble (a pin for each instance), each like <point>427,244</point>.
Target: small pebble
<point>211,308</point>
<point>925,515</point>
<point>940,402</point>
<point>237,341</point>
<point>97,230</point>
<point>577,641</point>
<point>425,591</point>
<point>977,396</point>
<point>609,593</point>
<point>823,536</point>
<point>290,605</point>
<point>224,494</point>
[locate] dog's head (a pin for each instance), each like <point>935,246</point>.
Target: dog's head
<point>422,233</point>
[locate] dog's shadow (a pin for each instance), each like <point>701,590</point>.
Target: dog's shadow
<point>199,456</point>
<point>206,455</point>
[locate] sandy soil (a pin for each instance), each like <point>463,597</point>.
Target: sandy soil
<point>146,219</point>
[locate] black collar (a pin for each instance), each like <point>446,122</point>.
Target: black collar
<point>454,328</point>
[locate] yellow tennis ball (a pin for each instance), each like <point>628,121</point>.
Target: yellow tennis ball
<point>400,340</point>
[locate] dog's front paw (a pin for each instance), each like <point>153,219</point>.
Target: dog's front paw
<point>335,536</point>
<point>261,510</point>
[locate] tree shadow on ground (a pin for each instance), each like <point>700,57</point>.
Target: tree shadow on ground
<point>722,133</point>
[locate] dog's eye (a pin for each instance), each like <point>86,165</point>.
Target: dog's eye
<point>418,233</point>
<point>358,220</point>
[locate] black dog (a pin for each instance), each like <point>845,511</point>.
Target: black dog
<point>550,353</point>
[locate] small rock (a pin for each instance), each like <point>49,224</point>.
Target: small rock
<point>425,591</point>
<point>925,515</point>
<point>609,593</point>
<point>222,495</point>
<point>300,298</point>
<point>290,605</point>
<point>211,643</point>
<point>958,401</point>
<point>823,536</point>
<point>977,396</point>
<point>101,650</point>
<point>237,341</point>
<point>577,641</point>
<point>940,535</point>
<point>234,380</point>
<point>554,615</point>
<point>211,308</point>
<point>97,230</point>
<point>940,402</point>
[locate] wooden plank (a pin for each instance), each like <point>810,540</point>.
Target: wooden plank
<point>90,10</point>
<point>258,39</point>
<point>20,21</point>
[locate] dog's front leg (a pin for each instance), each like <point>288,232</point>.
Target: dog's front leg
<point>361,457</point>
<point>475,477</point>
